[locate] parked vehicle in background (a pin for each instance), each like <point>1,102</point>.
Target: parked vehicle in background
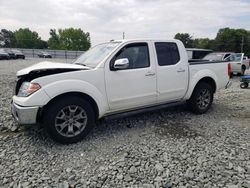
<point>43,54</point>
<point>117,78</point>
<point>217,56</point>
<point>12,55</point>
<point>196,53</point>
<point>238,64</point>
<point>246,61</point>
<point>3,54</point>
<point>18,54</point>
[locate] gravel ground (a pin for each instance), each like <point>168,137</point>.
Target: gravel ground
<point>166,148</point>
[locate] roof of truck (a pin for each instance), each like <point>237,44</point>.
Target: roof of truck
<point>143,39</point>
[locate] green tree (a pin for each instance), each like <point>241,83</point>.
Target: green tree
<point>74,39</point>
<point>69,39</point>
<point>228,39</point>
<point>7,38</point>
<point>204,43</point>
<point>25,38</point>
<point>54,40</point>
<point>185,38</point>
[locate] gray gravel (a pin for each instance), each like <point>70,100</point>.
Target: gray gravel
<point>167,148</point>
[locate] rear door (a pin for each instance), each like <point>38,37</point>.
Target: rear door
<point>172,71</point>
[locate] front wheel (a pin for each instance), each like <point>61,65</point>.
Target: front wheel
<point>201,99</point>
<point>69,120</point>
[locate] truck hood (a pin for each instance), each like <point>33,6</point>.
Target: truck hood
<point>46,65</point>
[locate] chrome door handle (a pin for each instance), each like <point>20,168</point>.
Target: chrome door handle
<point>150,74</point>
<point>181,70</point>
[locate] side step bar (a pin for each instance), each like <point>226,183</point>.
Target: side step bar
<point>141,110</point>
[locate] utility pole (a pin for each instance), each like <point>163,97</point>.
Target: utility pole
<point>242,44</point>
<point>123,35</point>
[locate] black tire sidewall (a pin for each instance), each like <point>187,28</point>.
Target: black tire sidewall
<point>244,85</point>
<point>192,103</point>
<point>243,70</point>
<point>55,107</point>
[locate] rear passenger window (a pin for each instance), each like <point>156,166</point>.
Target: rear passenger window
<point>167,53</point>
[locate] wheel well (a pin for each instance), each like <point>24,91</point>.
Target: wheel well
<point>209,81</point>
<point>69,94</point>
<point>243,67</point>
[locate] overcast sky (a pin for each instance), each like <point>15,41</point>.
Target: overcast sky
<point>107,19</point>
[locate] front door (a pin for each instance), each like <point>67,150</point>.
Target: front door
<point>135,85</point>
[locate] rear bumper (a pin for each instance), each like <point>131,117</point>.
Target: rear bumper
<point>24,115</point>
<point>229,83</point>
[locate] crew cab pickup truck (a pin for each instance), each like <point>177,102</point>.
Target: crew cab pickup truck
<point>112,79</point>
<point>239,63</point>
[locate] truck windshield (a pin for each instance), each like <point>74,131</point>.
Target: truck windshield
<point>95,55</point>
<point>213,57</point>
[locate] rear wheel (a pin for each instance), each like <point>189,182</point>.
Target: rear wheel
<point>244,85</point>
<point>69,121</point>
<point>201,99</point>
<point>243,69</point>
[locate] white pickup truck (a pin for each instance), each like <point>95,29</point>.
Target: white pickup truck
<point>239,63</point>
<point>114,79</point>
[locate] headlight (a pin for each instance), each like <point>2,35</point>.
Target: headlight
<point>27,89</point>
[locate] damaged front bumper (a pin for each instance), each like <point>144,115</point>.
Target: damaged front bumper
<point>24,115</point>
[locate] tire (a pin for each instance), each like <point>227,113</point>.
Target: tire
<point>243,69</point>
<point>201,99</point>
<point>244,85</point>
<point>69,121</point>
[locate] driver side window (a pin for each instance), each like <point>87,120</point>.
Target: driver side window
<point>137,55</point>
<point>230,58</point>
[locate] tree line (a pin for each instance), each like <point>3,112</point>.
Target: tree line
<point>226,40</point>
<point>63,39</point>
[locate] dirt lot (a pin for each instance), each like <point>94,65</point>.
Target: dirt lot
<point>166,148</point>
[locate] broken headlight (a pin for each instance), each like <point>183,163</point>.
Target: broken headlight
<point>27,89</point>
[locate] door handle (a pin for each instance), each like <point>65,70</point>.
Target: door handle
<point>150,74</point>
<point>181,70</point>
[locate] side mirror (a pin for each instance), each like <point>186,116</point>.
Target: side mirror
<point>121,63</point>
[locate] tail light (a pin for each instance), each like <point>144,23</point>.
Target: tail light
<point>229,69</point>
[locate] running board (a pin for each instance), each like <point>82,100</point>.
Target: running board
<point>141,110</point>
